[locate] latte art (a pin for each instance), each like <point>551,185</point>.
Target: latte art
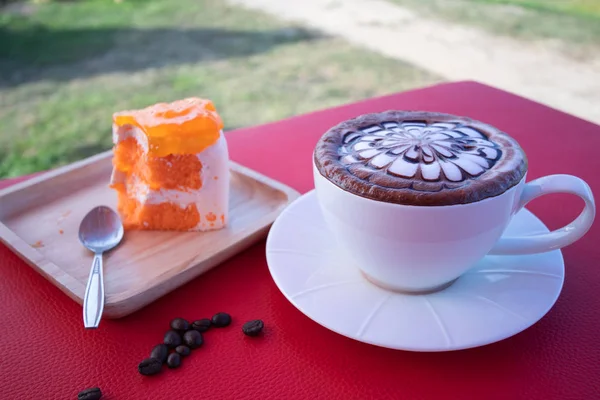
<point>420,158</point>
<point>433,152</point>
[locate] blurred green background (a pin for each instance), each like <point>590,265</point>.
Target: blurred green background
<point>573,24</point>
<point>66,66</point>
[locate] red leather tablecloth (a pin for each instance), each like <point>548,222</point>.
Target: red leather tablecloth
<point>46,353</point>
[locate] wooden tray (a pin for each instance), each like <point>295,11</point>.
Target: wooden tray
<point>39,220</point>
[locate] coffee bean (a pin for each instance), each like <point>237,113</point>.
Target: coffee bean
<point>193,339</point>
<point>253,328</point>
<point>90,394</point>
<point>180,325</point>
<point>221,320</point>
<point>202,325</point>
<point>183,351</point>
<point>172,339</point>
<point>160,352</point>
<point>150,366</point>
<point>174,360</point>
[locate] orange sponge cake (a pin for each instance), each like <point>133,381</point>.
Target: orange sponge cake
<point>170,167</point>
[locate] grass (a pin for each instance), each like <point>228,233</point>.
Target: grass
<point>65,67</point>
<point>573,24</point>
<point>580,8</point>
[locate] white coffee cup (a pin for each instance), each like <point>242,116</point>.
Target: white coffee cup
<point>425,248</point>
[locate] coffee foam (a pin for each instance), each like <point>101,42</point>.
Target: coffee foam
<point>420,158</point>
<point>440,151</point>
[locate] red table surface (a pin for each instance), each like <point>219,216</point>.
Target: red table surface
<point>46,353</point>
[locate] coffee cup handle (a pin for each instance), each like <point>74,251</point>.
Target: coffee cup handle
<point>559,238</point>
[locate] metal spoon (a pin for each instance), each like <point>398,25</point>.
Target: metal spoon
<point>100,230</point>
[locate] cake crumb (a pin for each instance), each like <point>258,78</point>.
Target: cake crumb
<point>37,244</point>
<point>211,217</point>
<point>63,216</point>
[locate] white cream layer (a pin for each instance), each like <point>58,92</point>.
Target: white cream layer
<point>120,133</point>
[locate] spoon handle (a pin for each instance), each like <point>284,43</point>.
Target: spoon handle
<point>93,301</point>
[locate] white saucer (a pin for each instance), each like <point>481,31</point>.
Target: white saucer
<point>500,297</point>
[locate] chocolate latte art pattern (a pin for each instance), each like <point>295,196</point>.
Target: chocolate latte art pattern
<point>420,158</point>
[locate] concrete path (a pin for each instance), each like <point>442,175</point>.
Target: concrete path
<point>454,52</point>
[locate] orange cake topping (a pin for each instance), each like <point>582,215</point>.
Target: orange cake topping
<point>185,126</point>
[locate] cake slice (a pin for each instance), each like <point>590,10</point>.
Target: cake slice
<point>170,167</point>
